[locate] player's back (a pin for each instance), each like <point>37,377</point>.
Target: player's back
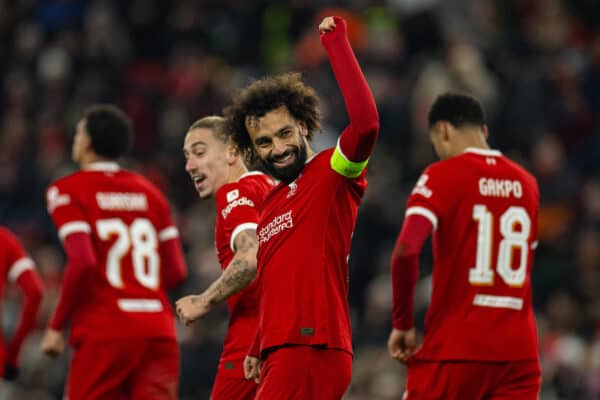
<point>486,208</point>
<point>127,218</point>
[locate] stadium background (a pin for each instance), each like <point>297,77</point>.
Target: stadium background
<point>535,64</point>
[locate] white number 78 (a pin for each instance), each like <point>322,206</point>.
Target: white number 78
<point>142,239</point>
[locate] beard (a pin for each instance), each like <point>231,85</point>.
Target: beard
<point>289,173</point>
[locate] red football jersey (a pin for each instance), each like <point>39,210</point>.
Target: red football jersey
<point>238,208</point>
<point>128,219</point>
<point>305,233</point>
<point>484,211</point>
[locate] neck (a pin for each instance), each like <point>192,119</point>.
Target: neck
<point>90,158</point>
<point>474,140</point>
<point>234,172</point>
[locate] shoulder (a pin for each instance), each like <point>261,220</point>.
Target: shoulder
<point>255,183</point>
<point>70,181</point>
<point>230,192</point>
<point>322,157</point>
<point>6,235</point>
<point>527,176</point>
<point>62,191</point>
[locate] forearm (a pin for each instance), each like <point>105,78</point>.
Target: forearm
<point>237,276</point>
<point>358,139</point>
<point>81,260</point>
<point>405,269</point>
<point>32,288</point>
<point>405,272</point>
<point>173,259</point>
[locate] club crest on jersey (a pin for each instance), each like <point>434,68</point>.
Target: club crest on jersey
<point>55,199</point>
<point>232,195</point>
<point>421,188</point>
<point>293,187</point>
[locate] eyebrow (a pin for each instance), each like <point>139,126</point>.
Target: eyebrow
<point>195,144</point>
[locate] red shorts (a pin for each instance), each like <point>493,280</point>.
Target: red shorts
<point>134,369</point>
<point>226,388</point>
<point>305,372</point>
<point>448,380</point>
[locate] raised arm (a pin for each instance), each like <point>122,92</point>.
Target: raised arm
<point>357,140</point>
<point>238,275</point>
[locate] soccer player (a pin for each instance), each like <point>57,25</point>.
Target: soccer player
<point>17,266</point>
<point>217,169</point>
<point>123,254</point>
<point>480,336</point>
<point>306,225</point>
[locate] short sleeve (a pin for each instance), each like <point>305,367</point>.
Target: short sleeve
<point>66,213</point>
<point>428,196</point>
<point>238,208</point>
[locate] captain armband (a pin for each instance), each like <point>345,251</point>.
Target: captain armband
<point>343,166</point>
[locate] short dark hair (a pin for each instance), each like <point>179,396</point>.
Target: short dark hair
<point>458,109</point>
<point>267,94</point>
<point>214,123</point>
<point>110,130</point>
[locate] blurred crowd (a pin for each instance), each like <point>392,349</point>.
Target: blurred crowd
<point>535,64</point>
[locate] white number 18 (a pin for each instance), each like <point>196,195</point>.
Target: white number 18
<point>482,274</point>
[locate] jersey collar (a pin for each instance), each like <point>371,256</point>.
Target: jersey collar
<point>249,173</point>
<point>483,152</point>
<point>106,166</point>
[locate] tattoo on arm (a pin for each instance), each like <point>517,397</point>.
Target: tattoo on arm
<point>241,270</point>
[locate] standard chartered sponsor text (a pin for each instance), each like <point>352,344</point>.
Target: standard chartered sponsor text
<point>278,224</point>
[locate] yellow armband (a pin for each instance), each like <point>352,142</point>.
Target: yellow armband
<point>345,167</point>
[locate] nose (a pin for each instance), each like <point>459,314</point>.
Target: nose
<point>190,165</point>
<point>279,146</point>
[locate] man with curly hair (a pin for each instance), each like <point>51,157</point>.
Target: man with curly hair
<point>306,224</point>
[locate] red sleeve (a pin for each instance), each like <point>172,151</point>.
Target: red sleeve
<point>405,268</point>
<point>31,285</point>
<point>81,259</point>
<point>254,350</point>
<point>174,270</point>
<point>358,139</point>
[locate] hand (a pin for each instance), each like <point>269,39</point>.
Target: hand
<point>53,343</point>
<point>402,344</point>
<point>11,372</point>
<point>327,25</point>
<point>190,308</point>
<point>252,368</point>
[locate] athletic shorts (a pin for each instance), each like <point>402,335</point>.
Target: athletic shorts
<point>460,380</point>
<point>226,388</point>
<point>124,369</point>
<point>305,372</point>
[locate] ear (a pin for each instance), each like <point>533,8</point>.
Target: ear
<point>445,129</point>
<point>86,142</point>
<point>486,132</point>
<point>231,153</point>
<point>303,128</point>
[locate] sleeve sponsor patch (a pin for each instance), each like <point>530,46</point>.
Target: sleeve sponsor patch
<point>232,195</point>
<point>421,187</point>
<point>236,202</point>
<point>54,199</point>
